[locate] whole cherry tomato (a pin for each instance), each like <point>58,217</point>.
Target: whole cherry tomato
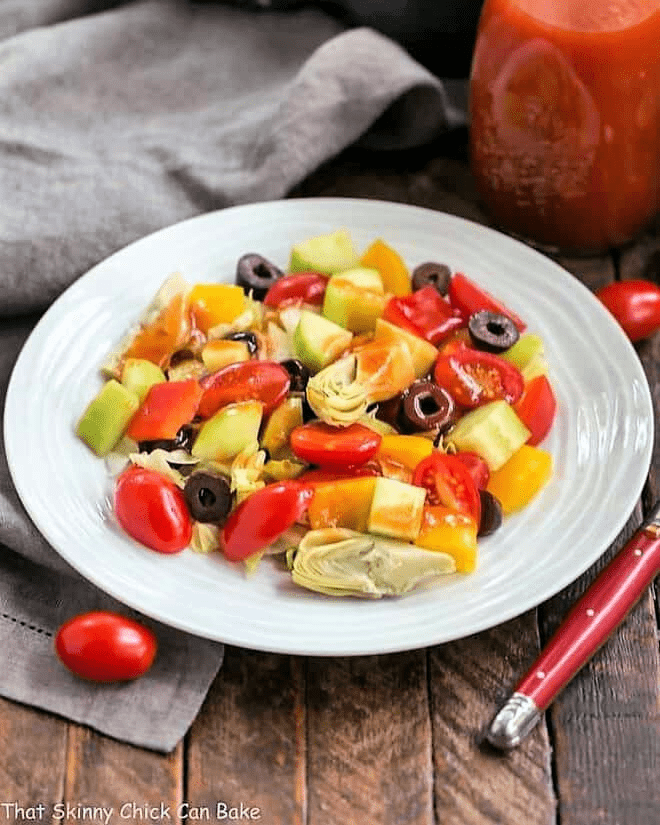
<point>265,381</point>
<point>303,287</point>
<point>466,297</point>
<point>473,377</point>
<point>635,305</point>
<point>105,647</point>
<point>262,517</point>
<point>448,482</point>
<point>152,510</point>
<point>334,448</point>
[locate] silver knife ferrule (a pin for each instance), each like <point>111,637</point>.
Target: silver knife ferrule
<point>513,722</point>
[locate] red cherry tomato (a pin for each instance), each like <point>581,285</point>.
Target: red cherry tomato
<point>152,510</point>
<point>448,482</point>
<point>424,313</point>
<point>265,381</point>
<point>105,647</point>
<point>167,407</point>
<point>536,409</point>
<point>303,287</point>
<point>478,468</point>
<point>334,448</point>
<point>466,297</point>
<point>635,305</point>
<point>474,378</point>
<point>262,517</point>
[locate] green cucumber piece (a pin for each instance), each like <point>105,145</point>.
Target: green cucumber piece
<point>139,376</point>
<point>528,355</point>
<point>107,416</point>
<point>318,341</point>
<point>229,431</point>
<point>493,431</point>
<point>324,253</point>
<point>396,509</point>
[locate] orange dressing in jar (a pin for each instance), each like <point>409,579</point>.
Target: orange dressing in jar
<point>565,119</point>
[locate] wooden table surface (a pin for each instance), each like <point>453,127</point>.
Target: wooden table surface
<point>391,739</point>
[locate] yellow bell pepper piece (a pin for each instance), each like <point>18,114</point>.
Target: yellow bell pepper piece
<point>212,304</point>
<point>451,532</point>
<point>343,503</point>
<point>393,271</point>
<point>406,450</point>
<point>517,482</point>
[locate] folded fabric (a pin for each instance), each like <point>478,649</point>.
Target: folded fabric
<point>117,120</point>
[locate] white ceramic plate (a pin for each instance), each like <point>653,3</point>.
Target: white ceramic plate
<point>601,441</point>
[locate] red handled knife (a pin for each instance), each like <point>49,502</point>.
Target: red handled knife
<point>586,627</point>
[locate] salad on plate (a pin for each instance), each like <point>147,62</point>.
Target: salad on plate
<point>365,422</point>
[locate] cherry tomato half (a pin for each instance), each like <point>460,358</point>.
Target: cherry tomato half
<point>303,287</point>
<point>105,647</point>
<point>465,296</point>
<point>265,381</point>
<point>152,510</point>
<point>262,517</point>
<point>635,305</point>
<point>536,409</point>
<point>334,448</point>
<point>479,469</point>
<point>448,482</point>
<point>474,377</point>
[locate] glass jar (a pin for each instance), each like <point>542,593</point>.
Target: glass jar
<point>565,119</point>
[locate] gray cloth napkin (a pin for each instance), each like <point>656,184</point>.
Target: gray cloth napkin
<point>117,120</point>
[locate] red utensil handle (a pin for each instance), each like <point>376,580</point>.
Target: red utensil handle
<point>588,624</point>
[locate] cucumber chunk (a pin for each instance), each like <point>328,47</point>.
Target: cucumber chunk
<point>493,431</point>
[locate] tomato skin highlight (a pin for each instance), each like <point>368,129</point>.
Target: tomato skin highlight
<point>334,448</point>
<point>265,381</point>
<point>635,304</point>
<point>166,408</point>
<point>467,298</point>
<point>152,510</point>
<point>262,517</point>
<point>302,287</point>
<point>448,482</point>
<point>536,409</point>
<point>474,377</point>
<point>105,647</point>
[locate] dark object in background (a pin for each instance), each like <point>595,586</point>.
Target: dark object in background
<point>438,34</point>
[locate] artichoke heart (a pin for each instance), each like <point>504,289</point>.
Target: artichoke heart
<point>334,394</point>
<point>341,562</point>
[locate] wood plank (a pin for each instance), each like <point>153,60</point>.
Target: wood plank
<point>247,746</point>
<point>369,741</point>
<point>102,772</point>
<point>606,723</point>
<point>26,778</point>
<point>469,680</point>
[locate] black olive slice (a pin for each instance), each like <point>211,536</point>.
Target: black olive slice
<point>248,338</point>
<point>427,406</point>
<point>254,272</point>
<point>491,514</point>
<point>208,497</point>
<point>390,411</point>
<point>492,331</point>
<point>299,374</point>
<point>431,274</point>
<point>182,441</point>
